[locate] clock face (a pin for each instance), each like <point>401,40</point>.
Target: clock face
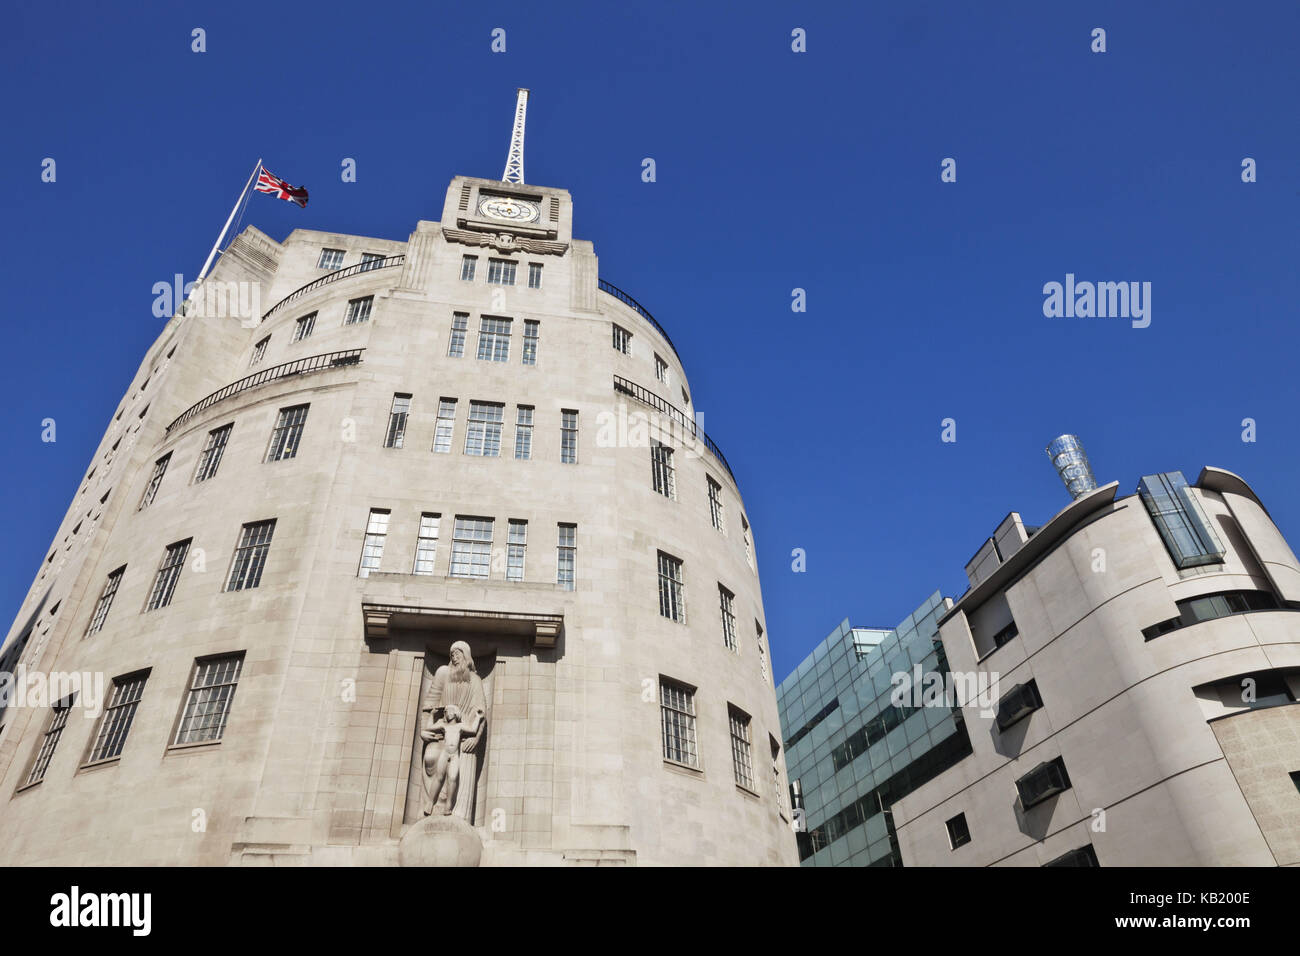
<point>508,209</point>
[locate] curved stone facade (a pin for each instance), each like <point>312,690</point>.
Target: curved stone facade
<point>318,761</point>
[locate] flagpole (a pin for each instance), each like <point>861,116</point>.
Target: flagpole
<point>229,219</point>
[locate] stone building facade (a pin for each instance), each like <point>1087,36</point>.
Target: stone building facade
<point>295,513</point>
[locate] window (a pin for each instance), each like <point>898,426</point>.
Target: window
<point>749,542</point>
<point>1179,518</point>
<point>1043,782</point>
<point>397,416</point>
<point>531,328</point>
<point>742,761</point>
<point>534,275</point>
<point>622,340</point>
<point>501,272</point>
<point>426,545</point>
<point>287,433</point>
<point>568,437</point>
<point>727,603</point>
<point>762,650</point>
<point>677,709</point>
<point>661,370</point>
<point>958,831</point>
<point>304,327</point>
<point>494,339</point>
<point>370,260</point>
<point>523,432</point>
<point>169,572</point>
<point>58,720</point>
<point>155,479</point>
<point>359,310</point>
<point>330,259</point>
<point>778,788</point>
<point>372,548</point>
<point>716,514</point>
<point>105,601</point>
<point>1083,856</point>
<point>471,547</point>
<point>483,434</point>
<point>661,469</point>
<point>1207,607</point>
<point>467,265</point>
<point>1295,778</point>
<point>516,541</point>
<point>118,716</point>
<point>1018,703</point>
<point>259,351</point>
<point>671,605</point>
<point>459,325</point>
<point>445,426</point>
<point>1005,635</point>
<point>250,556</point>
<point>213,448</point>
<point>207,707</point>
<point>566,556</point>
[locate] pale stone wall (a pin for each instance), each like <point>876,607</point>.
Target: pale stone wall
<point>304,774</point>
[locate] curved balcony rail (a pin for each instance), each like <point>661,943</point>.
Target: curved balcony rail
<point>311,363</point>
<point>371,266</point>
<point>610,289</point>
<point>686,422</point>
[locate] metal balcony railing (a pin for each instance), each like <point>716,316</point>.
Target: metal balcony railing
<point>357,269</point>
<point>647,397</point>
<point>610,289</point>
<point>311,363</point>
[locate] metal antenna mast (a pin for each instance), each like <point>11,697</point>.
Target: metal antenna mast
<point>515,158</point>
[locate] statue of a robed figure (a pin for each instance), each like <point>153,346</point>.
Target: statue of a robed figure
<point>453,719</point>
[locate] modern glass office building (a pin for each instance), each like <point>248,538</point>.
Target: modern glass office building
<point>850,751</point>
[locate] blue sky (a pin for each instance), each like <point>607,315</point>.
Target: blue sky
<point>775,170</point>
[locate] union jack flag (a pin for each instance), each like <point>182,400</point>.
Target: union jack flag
<point>267,183</point>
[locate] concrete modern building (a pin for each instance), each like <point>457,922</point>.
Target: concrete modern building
<point>294,519</point>
<point>1127,675</point>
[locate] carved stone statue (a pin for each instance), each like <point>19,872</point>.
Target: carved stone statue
<point>453,718</point>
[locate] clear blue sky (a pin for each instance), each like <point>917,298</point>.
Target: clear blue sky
<point>776,170</point>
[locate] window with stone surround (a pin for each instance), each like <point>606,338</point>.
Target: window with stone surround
<point>742,758</point>
<point>677,711</point>
<point>250,555</point>
<point>426,545</point>
<point>169,572</point>
<point>115,724</point>
<point>207,706</point>
<point>372,547</point>
<point>671,599</point>
<point>471,547</point>
<point>444,428</point>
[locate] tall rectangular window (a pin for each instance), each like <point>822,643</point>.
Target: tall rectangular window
<point>105,601</point>
<point>716,514</point>
<point>762,650</point>
<point>661,469</point>
<point>259,351</point>
<point>534,275</point>
<point>622,339</point>
<point>359,310</point>
<point>155,479</point>
<point>568,436</point>
<point>742,758</point>
<point>483,433</point>
<point>207,706</point>
<point>397,416</point>
<point>372,548</point>
<point>213,449</point>
<point>494,339</point>
<point>749,544</point>
<point>169,572</point>
<point>671,604</point>
<point>370,260</point>
<point>50,740</point>
<point>426,545</point>
<point>566,556</point>
<point>118,716</point>
<point>727,602</point>
<point>250,556</point>
<point>444,428</point>
<point>523,432</point>
<point>1178,516</point>
<point>531,329</point>
<point>661,370</point>
<point>287,433</point>
<point>304,327</point>
<point>516,543</point>
<point>677,710</point>
<point>459,325</point>
<point>471,547</point>
<point>330,259</point>
<point>467,266</point>
<point>501,272</point>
